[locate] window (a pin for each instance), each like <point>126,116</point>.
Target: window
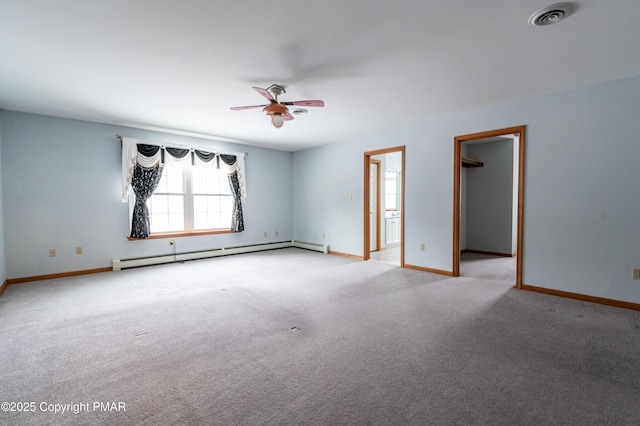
<point>182,190</point>
<point>191,199</point>
<point>390,190</point>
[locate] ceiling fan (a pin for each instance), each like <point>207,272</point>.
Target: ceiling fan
<point>277,110</point>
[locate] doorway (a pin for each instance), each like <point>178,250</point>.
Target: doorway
<point>384,205</point>
<point>374,204</point>
<point>514,227</point>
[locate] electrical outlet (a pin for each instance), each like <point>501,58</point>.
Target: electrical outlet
<point>265,233</point>
<point>421,247</point>
<point>52,252</point>
<point>636,273</point>
<point>277,232</point>
<point>323,235</point>
<point>78,250</point>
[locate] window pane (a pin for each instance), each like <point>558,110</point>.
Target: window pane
<point>166,222</point>
<point>225,187</point>
<point>216,221</point>
<point>199,181</point>
<point>390,185</point>
<point>176,203</point>
<point>211,212</point>
<point>176,222</point>
<point>210,181</point>
<point>199,204</point>
<point>158,204</point>
<point>213,204</point>
<point>226,205</point>
<point>166,213</point>
<point>200,221</point>
<point>175,181</point>
<point>172,181</point>
<point>159,222</point>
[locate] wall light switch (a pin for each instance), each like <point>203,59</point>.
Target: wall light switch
<point>52,252</point>
<point>636,273</point>
<point>78,250</point>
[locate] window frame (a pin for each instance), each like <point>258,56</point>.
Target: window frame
<point>188,210</point>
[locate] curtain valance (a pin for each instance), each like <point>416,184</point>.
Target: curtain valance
<point>150,154</point>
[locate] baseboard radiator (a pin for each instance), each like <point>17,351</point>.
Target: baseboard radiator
<point>310,246</point>
<point>119,264</point>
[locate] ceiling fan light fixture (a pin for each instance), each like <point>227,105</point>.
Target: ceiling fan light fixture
<point>276,111</point>
<point>552,14</point>
<point>277,120</point>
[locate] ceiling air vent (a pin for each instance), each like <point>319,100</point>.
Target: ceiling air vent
<point>551,14</point>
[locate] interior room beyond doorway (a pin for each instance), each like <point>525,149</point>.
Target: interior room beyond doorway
<point>384,219</point>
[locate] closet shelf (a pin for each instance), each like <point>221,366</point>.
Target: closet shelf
<point>469,162</point>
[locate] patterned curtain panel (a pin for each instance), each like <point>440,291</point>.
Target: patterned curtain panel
<point>237,219</point>
<point>143,182</point>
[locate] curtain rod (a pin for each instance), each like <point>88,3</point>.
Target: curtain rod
<point>120,140</point>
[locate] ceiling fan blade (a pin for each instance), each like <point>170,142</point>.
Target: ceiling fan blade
<point>247,107</point>
<point>287,116</point>
<point>264,93</point>
<point>315,103</point>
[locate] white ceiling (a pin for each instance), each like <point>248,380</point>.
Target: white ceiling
<point>179,65</point>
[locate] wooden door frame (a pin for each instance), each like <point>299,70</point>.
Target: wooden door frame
<point>457,172</point>
<point>367,222</point>
<point>376,163</point>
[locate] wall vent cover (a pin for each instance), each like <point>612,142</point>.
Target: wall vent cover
<point>551,14</point>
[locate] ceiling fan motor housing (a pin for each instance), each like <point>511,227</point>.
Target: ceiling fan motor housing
<point>275,108</point>
<point>276,90</point>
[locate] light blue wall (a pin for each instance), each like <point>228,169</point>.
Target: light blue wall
<point>581,200</point>
<point>62,188</point>
<point>323,178</point>
<point>3,267</point>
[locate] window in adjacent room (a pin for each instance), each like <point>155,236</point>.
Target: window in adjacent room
<point>390,190</point>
